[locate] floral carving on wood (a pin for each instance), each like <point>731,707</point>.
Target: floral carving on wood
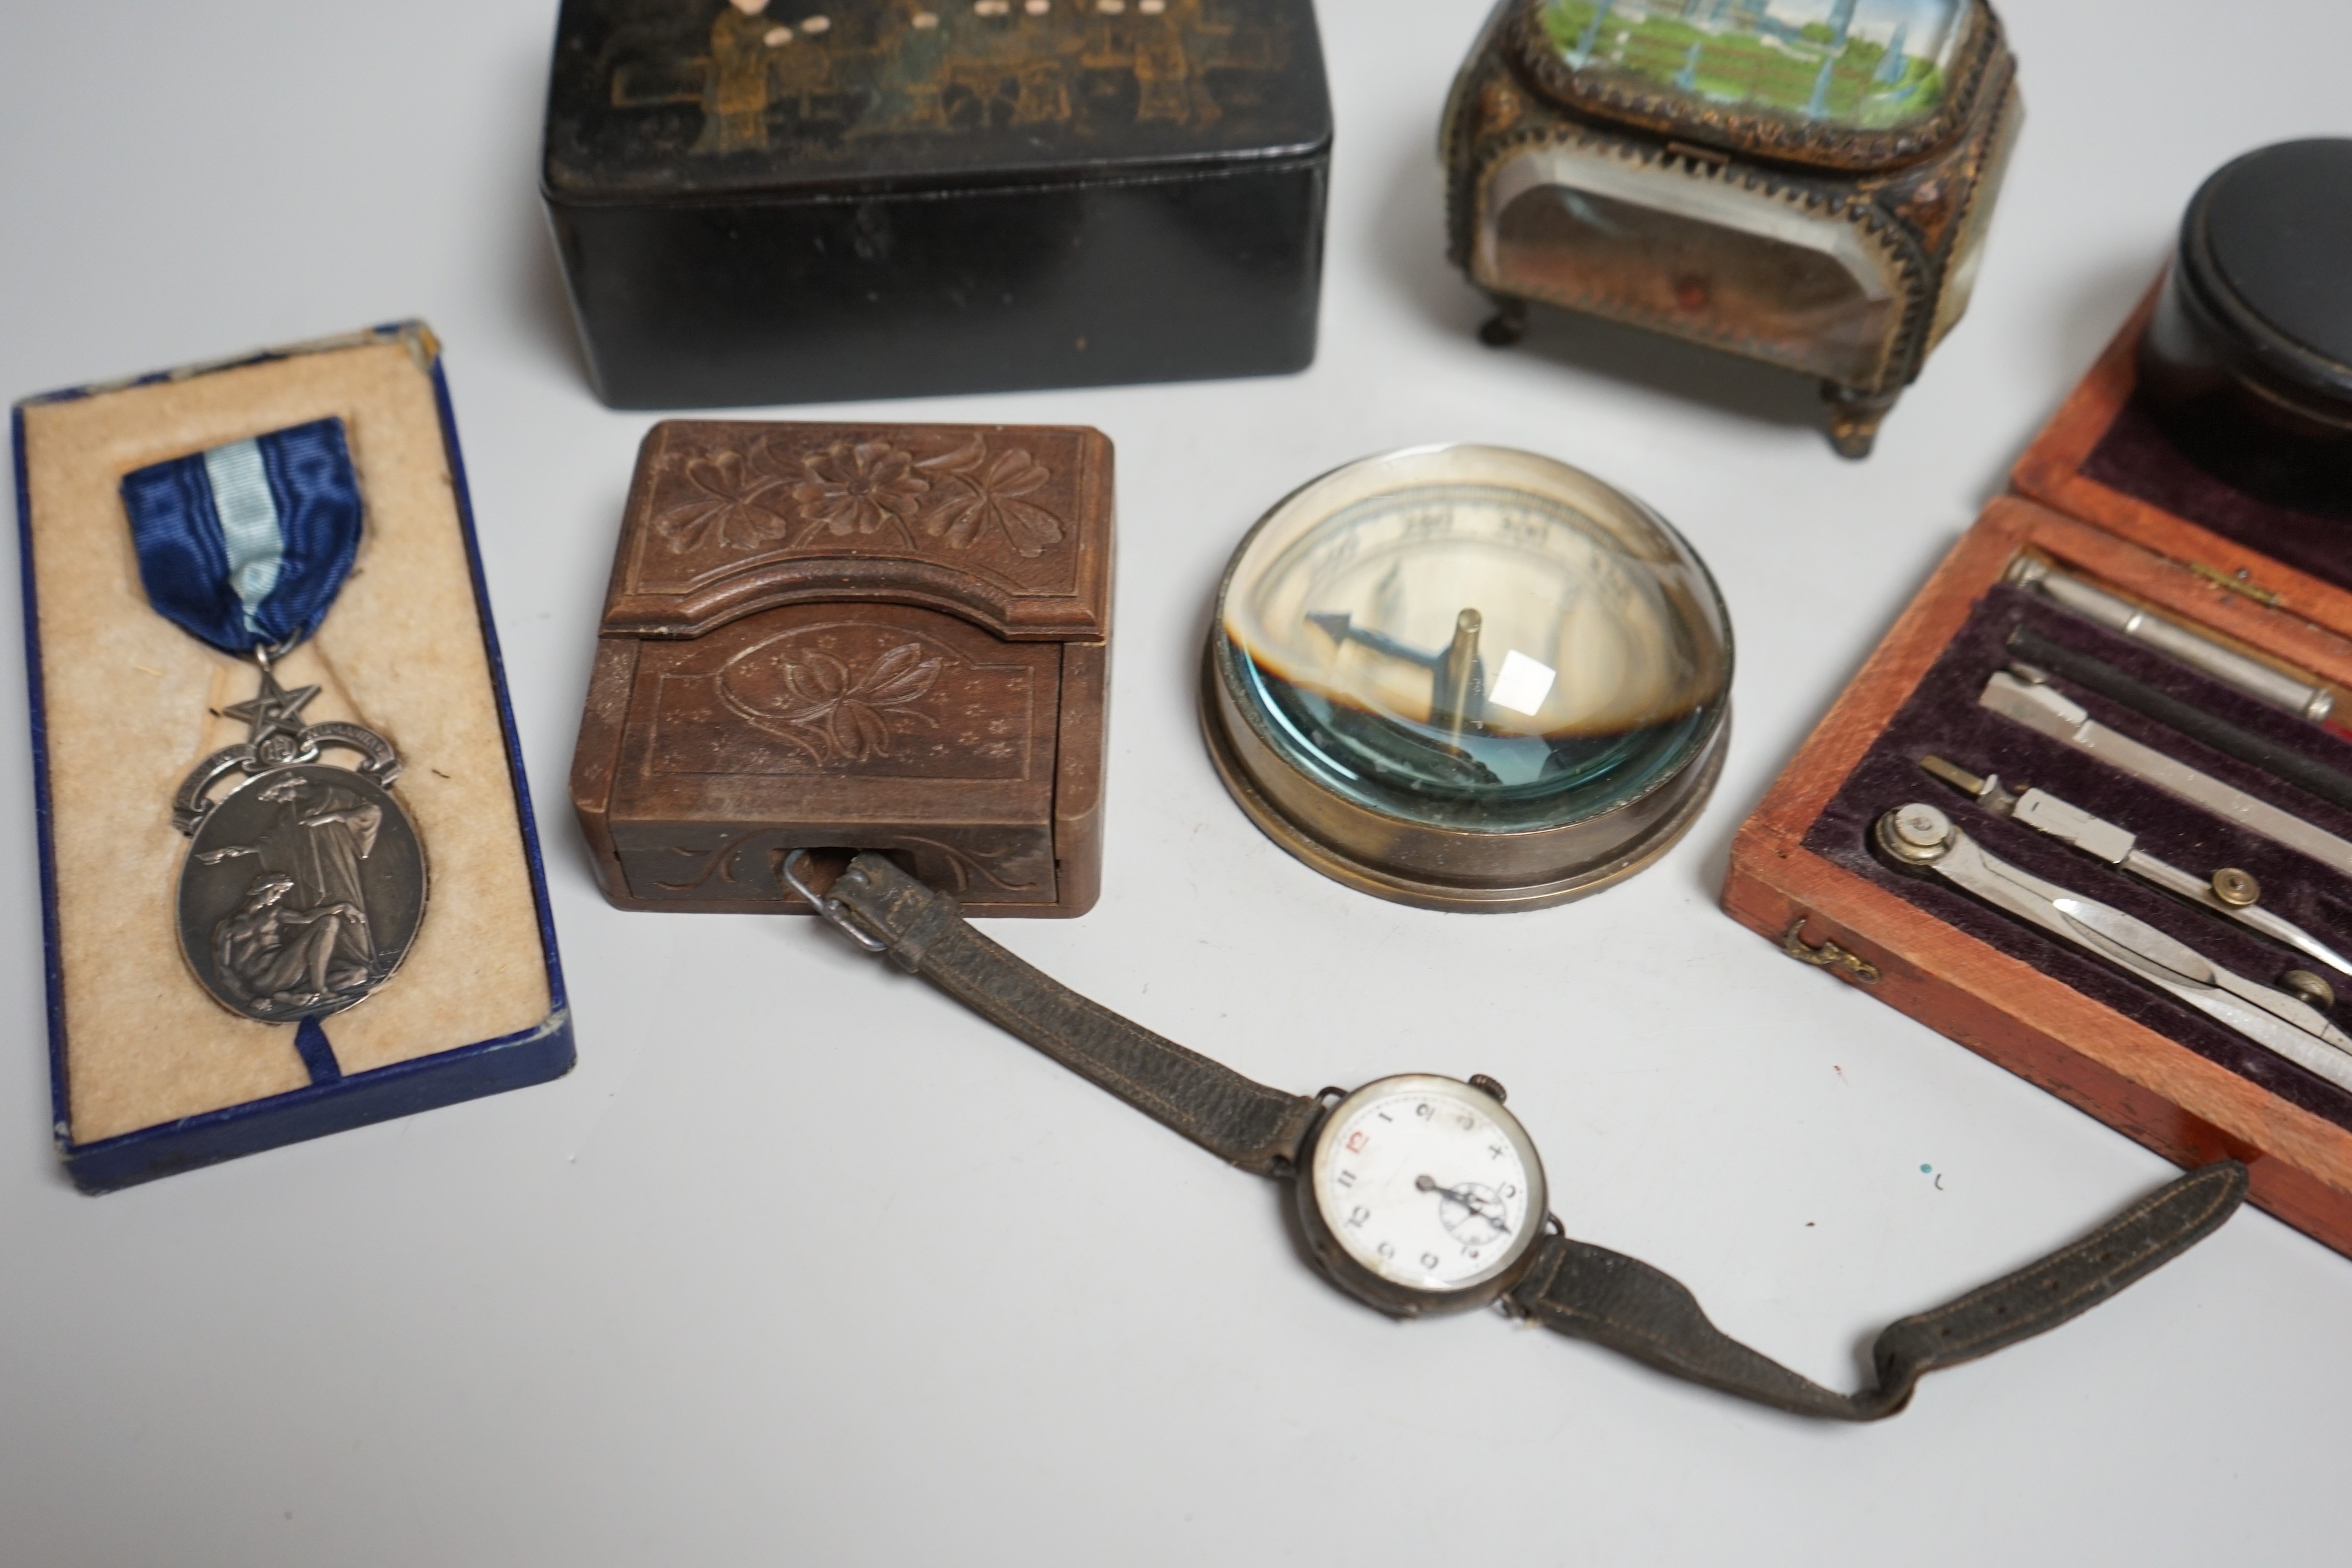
<point>971,497</point>
<point>831,709</point>
<point>978,494</point>
<point>860,488</point>
<point>724,503</point>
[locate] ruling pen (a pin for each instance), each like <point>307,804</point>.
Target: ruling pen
<point>2280,762</point>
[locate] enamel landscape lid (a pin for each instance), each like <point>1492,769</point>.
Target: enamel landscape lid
<point>1850,84</point>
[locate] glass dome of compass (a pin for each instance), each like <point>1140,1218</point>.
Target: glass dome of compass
<point>1468,678</point>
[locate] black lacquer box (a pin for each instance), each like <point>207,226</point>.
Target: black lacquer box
<point>788,201</point>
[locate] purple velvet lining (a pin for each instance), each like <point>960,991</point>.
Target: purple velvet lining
<point>1943,717</point>
<point>2135,459</point>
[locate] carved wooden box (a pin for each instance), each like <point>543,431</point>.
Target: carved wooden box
<point>854,637</point>
<point>2106,498</point>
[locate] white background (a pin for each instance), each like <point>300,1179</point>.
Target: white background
<point>803,1265</point>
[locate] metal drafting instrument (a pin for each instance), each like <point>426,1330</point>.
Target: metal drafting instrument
<point>1921,838</point>
<point>2054,714</point>
<point>2303,697</point>
<point>2255,751</point>
<point>2229,892</point>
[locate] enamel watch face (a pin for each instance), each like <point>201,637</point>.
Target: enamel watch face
<point>1423,1193</point>
<point>1468,678</point>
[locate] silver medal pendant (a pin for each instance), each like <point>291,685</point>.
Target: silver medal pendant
<point>304,883</point>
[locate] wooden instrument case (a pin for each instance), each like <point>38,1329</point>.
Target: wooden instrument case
<point>2102,495</point>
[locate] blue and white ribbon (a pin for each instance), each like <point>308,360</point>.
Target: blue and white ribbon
<point>248,544</point>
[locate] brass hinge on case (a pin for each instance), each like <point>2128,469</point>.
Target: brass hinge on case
<point>2238,582</point>
<point>1828,955</point>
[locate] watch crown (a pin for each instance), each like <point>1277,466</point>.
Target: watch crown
<point>1479,1080</point>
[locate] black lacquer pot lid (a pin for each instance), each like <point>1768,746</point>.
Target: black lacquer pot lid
<point>2267,245</point>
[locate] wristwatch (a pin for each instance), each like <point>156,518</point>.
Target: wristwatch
<point>1421,1193</point>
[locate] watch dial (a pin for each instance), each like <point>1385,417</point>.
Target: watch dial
<point>1428,1183</point>
<point>1474,638</point>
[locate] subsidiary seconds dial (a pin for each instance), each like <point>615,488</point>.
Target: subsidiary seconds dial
<point>1424,1192</point>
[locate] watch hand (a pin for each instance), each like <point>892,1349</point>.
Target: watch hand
<point>1493,1213</point>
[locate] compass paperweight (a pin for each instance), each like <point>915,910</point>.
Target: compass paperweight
<point>1467,678</point>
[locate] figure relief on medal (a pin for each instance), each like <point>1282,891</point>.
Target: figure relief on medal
<point>809,73</point>
<point>305,882</point>
<point>299,937</point>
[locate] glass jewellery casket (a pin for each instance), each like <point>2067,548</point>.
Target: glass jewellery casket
<point>794,201</point>
<point>1807,183</point>
<point>1468,678</point>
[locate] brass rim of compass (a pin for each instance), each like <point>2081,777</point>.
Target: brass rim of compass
<point>1565,863</point>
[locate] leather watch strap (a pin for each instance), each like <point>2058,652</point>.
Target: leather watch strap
<point>1235,1118</point>
<point>1595,1294</point>
<point>1571,1286</point>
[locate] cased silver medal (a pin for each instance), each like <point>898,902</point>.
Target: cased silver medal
<point>304,883</point>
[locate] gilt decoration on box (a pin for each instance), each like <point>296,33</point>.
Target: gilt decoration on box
<point>777,201</point>
<point>768,73</point>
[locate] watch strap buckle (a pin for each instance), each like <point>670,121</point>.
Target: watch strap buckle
<point>831,910</point>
